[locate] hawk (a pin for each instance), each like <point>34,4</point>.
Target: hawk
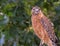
<point>43,27</point>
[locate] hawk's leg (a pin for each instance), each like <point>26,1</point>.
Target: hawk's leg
<point>41,43</point>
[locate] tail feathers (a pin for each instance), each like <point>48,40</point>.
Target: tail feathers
<point>54,44</point>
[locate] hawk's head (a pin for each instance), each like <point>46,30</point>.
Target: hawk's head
<point>35,10</point>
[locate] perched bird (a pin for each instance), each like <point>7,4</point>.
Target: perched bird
<point>43,27</point>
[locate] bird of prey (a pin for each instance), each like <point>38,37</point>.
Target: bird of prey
<point>43,27</point>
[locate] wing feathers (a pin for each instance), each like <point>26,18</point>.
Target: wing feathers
<point>48,26</point>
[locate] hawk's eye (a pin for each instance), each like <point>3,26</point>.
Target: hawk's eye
<point>33,9</point>
<point>39,8</point>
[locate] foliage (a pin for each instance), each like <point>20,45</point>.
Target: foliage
<point>15,20</point>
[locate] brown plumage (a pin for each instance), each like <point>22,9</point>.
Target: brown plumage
<point>43,27</point>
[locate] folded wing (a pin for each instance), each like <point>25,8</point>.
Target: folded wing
<point>48,26</point>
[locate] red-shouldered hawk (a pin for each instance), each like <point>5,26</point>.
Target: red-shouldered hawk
<point>43,27</point>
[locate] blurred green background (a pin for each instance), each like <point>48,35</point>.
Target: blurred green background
<point>15,21</point>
